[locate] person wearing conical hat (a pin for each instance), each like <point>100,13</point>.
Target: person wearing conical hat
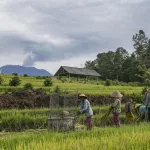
<point>148,103</point>
<point>141,111</point>
<point>116,107</point>
<point>85,108</point>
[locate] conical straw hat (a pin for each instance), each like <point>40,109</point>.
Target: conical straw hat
<point>137,105</point>
<point>116,94</point>
<point>82,95</point>
<point>148,90</point>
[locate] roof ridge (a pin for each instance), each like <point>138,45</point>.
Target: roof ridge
<point>78,68</point>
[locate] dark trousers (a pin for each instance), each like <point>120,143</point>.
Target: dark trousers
<point>149,114</point>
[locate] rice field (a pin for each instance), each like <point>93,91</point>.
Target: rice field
<point>90,88</point>
<point>135,137</point>
<point>20,120</point>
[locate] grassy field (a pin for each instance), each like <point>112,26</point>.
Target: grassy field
<point>20,120</point>
<point>110,138</point>
<point>90,87</point>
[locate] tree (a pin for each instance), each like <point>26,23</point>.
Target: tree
<point>105,64</point>
<point>28,86</point>
<point>133,71</point>
<point>48,82</point>
<point>25,75</point>
<point>15,74</point>
<point>147,55</point>
<point>140,44</point>
<point>15,81</point>
<point>91,65</point>
<point>1,80</point>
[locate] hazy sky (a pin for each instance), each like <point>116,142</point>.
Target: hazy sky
<point>50,33</point>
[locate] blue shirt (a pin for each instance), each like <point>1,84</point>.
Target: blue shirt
<point>143,109</point>
<point>85,107</point>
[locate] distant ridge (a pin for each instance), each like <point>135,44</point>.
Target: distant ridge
<point>21,70</point>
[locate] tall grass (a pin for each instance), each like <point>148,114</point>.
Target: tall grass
<point>110,138</point>
<point>20,120</point>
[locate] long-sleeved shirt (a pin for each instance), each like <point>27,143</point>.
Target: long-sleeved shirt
<point>128,107</point>
<point>148,100</point>
<point>117,106</point>
<point>143,110</point>
<point>85,107</point>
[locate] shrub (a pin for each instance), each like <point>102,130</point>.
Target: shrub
<point>57,89</point>
<point>15,74</point>
<point>108,82</point>
<point>28,86</point>
<point>15,81</point>
<point>25,75</point>
<point>144,90</point>
<point>63,80</point>
<point>48,82</point>
<point>1,80</point>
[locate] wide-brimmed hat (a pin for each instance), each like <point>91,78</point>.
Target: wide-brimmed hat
<point>137,105</point>
<point>82,95</point>
<point>116,94</point>
<point>148,90</point>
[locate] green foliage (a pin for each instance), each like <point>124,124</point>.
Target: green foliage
<point>63,80</point>
<point>144,90</point>
<point>15,74</point>
<point>1,80</point>
<point>15,81</point>
<point>57,89</point>
<point>108,82</point>
<point>43,77</point>
<point>121,66</point>
<point>25,75</point>
<point>28,86</point>
<point>48,82</point>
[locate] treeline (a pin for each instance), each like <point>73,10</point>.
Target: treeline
<point>123,66</point>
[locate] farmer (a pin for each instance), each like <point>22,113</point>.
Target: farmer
<point>85,108</point>
<point>145,95</point>
<point>148,103</point>
<point>116,107</point>
<point>128,110</point>
<point>141,111</point>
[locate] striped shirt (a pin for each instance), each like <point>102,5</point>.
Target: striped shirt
<point>117,106</point>
<point>85,107</point>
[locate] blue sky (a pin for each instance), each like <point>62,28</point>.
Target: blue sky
<point>50,33</point>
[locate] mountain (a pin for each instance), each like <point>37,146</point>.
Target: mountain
<point>21,70</point>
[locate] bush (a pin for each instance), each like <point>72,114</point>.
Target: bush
<point>1,80</point>
<point>28,86</point>
<point>57,89</point>
<point>48,82</point>
<point>144,90</point>
<point>108,82</point>
<point>15,74</point>
<point>15,81</point>
<point>25,75</point>
<point>63,80</point>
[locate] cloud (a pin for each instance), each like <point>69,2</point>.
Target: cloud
<point>50,30</point>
